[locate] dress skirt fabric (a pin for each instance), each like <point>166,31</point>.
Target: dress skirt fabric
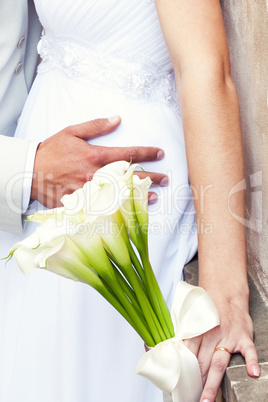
<point>59,340</point>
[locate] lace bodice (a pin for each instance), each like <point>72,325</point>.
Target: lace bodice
<point>117,44</point>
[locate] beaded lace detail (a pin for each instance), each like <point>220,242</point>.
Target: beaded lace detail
<point>142,80</point>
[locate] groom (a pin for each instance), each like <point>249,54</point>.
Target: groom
<point>37,171</point>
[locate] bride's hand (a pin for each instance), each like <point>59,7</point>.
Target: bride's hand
<point>235,333</point>
<point>65,161</point>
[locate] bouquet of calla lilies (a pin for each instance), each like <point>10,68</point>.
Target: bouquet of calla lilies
<point>100,237</point>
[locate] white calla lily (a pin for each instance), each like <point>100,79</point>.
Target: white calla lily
<point>135,210</point>
<point>47,231</point>
<point>119,189</point>
<point>46,238</point>
<point>70,262</point>
<point>113,171</point>
<point>140,195</point>
<point>87,240</point>
<point>107,200</point>
<point>43,215</point>
<point>110,229</point>
<point>74,203</point>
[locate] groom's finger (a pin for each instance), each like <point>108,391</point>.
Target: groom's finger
<point>152,198</point>
<point>158,179</point>
<point>94,128</point>
<point>133,154</point>
<point>98,127</point>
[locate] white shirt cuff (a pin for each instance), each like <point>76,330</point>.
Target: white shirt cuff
<point>28,175</point>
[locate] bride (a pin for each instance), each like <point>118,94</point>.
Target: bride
<point>61,341</point>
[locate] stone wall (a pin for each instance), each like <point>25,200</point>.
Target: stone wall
<point>246,23</point>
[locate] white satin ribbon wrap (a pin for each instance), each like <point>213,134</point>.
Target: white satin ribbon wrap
<point>170,365</point>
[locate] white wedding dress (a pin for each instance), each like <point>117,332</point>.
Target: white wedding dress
<point>59,340</point>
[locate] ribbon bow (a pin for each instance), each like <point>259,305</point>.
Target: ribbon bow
<point>170,365</point>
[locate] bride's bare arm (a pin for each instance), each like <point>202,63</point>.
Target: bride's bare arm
<point>195,36</point>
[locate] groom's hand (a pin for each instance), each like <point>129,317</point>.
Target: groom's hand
<point>65,161</point>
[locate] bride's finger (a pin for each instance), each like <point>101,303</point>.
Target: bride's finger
<point>193,344</point>
<point>205,353</point>
<point>251,357</point>
<point>219,363</point>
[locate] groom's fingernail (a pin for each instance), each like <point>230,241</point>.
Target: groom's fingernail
<point>153,199</point>
<point>160,154</point>
<point>114,119</point>
<point>164,182</point>
<point>206,400</point>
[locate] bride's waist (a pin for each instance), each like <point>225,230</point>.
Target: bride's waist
<point>142,79</point>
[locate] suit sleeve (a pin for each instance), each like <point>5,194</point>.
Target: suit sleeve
<point>13,156</point>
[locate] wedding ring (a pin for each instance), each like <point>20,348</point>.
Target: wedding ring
<point>222,349</point>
